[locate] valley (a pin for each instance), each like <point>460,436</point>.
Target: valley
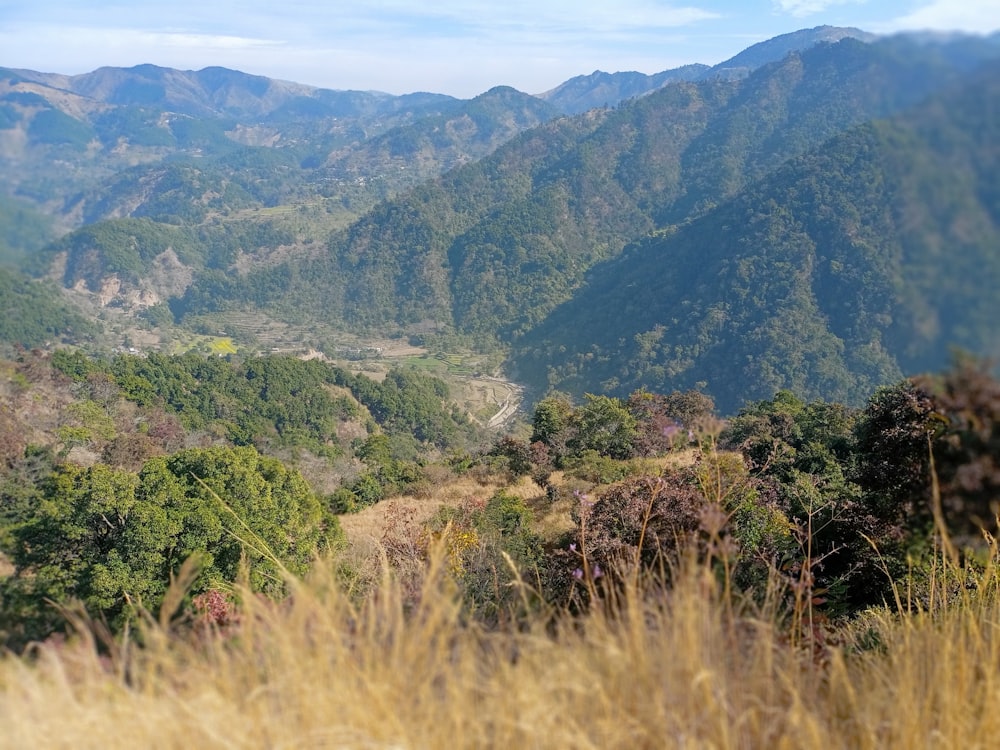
<point>652,408</point>
<point>513,228</point>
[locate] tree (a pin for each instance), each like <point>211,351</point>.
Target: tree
<point>894,436</point>
<point>967,451</point>
<point>807,456</point>
<point>605,425</point>
<point>112,539</point>
<point>552,425</point>
<point>664,422</point>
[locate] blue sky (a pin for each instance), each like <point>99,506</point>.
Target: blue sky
<point>458,47</point>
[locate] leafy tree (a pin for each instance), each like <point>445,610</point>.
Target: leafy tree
<point>967,450</point>
<point>894,438</point>
<point>664,421</point>
<point>552,425</point>
<point>112,539</point>
<point>808,457</point>
<point>605,425</point>
<point>483,539</point>
<point>517,454</point>
<point>385,475</point>
<point>953,418</point>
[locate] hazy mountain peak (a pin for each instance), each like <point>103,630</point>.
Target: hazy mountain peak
<point>779,47</point>
<point>600,89</point>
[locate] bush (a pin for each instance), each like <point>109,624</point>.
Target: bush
<point>482,540</point>
<point>591,466</point>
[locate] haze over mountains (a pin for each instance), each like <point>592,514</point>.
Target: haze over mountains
<point>820,213</point>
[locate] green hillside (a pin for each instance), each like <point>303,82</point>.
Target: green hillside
<point>23,230</point>
<point>267,206</point>
<point>491,248</point>
<point>33,313</point>
<point>868,257</point>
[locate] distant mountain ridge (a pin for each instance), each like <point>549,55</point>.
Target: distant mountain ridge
<point>607,89</point>
<point>772,50</point>
<point>116,118</point>
<point>221,92</point>
<point>110,122</point>
<point>600,89</point>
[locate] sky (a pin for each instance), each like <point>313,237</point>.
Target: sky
<point>456,47</point>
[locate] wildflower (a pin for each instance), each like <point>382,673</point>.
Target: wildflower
<point>597,572</point>
<point>572,547</point>
<point>578,574</point>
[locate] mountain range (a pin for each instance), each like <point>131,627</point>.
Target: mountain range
<point>818,213</point>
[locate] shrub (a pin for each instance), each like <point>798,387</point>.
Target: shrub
<point>591,466</point>
<point>483,540</point>
<point>967,449</point>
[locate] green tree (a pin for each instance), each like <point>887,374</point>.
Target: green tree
<point>112,539</point>
<point>605,425</point>
<point>552,425</point>
<point>894,436</point>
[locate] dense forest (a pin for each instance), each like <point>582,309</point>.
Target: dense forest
<point>827,277</point>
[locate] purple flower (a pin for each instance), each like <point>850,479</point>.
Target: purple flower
<point>597,573</point>
<point>572,547</point>
<point>578,574</point>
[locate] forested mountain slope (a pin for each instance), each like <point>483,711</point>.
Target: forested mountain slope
<point>491,248</point>
<point>140,141</point>
<point>269,202</point>
<point>33,314</point>
<point>868,257</point>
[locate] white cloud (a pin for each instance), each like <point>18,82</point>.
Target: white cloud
<point>456,46</point>
<point>81,49</point>
<point>188,40</point>
<point>948,15</point>
<point>555,15</point>
<point>325,19</point>
<point>802,8</point>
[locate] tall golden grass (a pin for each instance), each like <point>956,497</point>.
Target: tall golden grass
<point>661,669</point>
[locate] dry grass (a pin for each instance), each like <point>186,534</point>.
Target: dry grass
<point>677,670</point>
<point>371,524</point>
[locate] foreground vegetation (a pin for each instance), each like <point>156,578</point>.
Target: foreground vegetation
<point>628,573</point>
<point>683,667</point>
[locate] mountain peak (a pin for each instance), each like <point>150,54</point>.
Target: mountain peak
<point>775,49</point>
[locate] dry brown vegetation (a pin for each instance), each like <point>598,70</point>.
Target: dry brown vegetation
<point>683,668</point>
